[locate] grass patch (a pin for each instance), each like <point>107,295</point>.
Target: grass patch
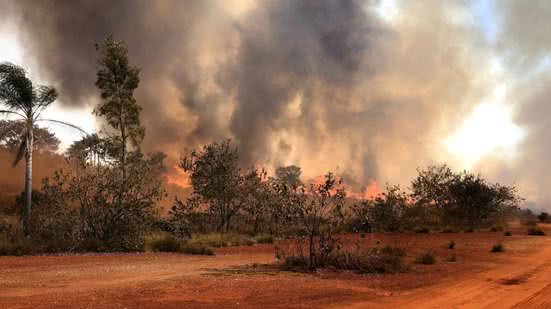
<point>498,248</point>
<point>387,260</point>
<point>167,243</point>
<point>264,239</point>
<point>536,231</point>
<point>218,240</point>
<point>426,258</point>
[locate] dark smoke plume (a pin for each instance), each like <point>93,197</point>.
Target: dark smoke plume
<point>321,84</point>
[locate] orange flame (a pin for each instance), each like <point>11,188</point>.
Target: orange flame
<point>179,178</point>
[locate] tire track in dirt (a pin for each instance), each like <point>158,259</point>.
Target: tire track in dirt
<point>521,283</point>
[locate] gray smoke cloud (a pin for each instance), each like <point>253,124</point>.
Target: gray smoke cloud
<point>320,84</point>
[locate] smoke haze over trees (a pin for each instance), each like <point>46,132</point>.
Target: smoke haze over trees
<point>318,84</point>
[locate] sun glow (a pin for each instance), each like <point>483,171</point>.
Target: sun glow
<point>489,129</point>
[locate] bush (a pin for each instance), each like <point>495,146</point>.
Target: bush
<point>507,233</point>
<point>426,258</point>
<point>423,230</point>
<point>451,245</point>
<point>165,243</point>
<point>295,263</point>
<point>496,229</point>
<point>497,248</point>
<point>197,249</point>
<point>387,260</point>
<point>536,232</point>
<point>469,230</point>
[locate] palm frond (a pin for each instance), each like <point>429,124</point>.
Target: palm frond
<point>44,97</point>
<point>21,150</point>
<point>64,123</point>
<point>16,89</point>
<point>12,112</point>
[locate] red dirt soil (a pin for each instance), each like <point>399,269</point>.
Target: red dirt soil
<point>237,277</point>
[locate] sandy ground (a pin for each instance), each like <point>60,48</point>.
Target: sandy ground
<point>237,277</point>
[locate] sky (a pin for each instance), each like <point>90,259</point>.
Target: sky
<point>371,89</point>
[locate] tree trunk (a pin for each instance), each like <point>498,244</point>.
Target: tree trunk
<point>28,186</point>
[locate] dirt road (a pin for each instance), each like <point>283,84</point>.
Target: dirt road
<point>524,282</point>
<point>519,277</point>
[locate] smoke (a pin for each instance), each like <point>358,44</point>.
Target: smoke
<point>319,84</point>
<point>525,46</point>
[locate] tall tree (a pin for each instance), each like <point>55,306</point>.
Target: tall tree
<point>216,177</point>
<point>117,80</point>
<point>25,100</point>
<point>289,175</point>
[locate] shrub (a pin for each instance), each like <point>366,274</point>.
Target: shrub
<point>218,240</point>
<point>295,263</point>
<point>496,229</point>
<point>469,230</point>
<point>507,233</point>
<point>426,258</point>
<point>423,230</point>
<point>387,260</point>
<point>497,248</point>
<point>536,232</point>
<point>451,245</point>
<point>197,249</point>
<point>163,244</point>
<point>166,243</point>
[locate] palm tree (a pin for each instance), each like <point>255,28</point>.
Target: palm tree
<point>26,101</point>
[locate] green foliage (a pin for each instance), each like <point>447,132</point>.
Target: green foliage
<point>386,212</point>
<point>27,101</point>
<point>166,243</point>
<point>216,178</point>
<point>117,80</point>
<point>463,199</point>
<point>426,258</point>
<point>288,175</point>
<point>387,260</point>
<point>44,141</point>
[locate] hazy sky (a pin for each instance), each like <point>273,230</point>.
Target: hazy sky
<point>370,89</point>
